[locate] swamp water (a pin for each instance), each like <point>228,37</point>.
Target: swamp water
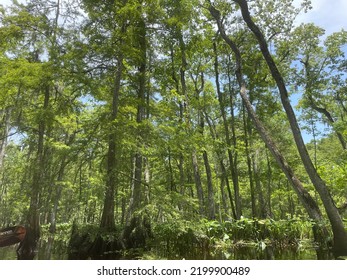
<point>240,252</point>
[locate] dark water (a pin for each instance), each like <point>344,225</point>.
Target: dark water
<point>247,251</point>
<point>270,253</point>
<point>244,252</point>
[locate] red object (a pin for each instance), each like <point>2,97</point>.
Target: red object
<point>12,235</point>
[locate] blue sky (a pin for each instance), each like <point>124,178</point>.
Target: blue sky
<point>331,16</point>
<point>328,14</point>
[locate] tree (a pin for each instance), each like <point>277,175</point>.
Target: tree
<point>130,127</point>
<point>36,35</point>
<point>320,73</point>
<point>340,234</point>
<point>308,202</point>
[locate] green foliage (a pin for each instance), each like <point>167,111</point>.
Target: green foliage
<point>179,239</point>
<point>61,238</point>
<point>61,113</point>
<point>191,240</point>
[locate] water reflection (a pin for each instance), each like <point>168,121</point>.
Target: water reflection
<point>248,251</point>
<point>273,253</point>
<point>239,252</point>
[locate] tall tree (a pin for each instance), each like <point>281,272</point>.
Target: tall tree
<point>230,137</point>
<point>340,234</point>
<point>308,202</point>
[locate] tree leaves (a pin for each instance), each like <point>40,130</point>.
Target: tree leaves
<point>59,80</point>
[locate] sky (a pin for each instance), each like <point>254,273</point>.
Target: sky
<point>328,14</point>
<point>331,16</point>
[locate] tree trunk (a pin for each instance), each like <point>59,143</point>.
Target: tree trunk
<point>269,182</point>
<point>223,201</point>
<point>28,249</point>
<point>138,226</point>
<point>340,234</point>
<point>107,217</point>
<point>53,218</point>
<point>256,169</point>
<point>211,211</point>
<point>181,171</point>
<point>181,110</point>
<point>306,199</point>
<point>4,130</point>
<point>232,160</point>
<point>196,169</point>
<point>247,132</point>
<point>198,184</point>
<point>224,175</point>
<point>59,185</point>
<point>171,175</point>
<point>102,247</point>
<point>210,192</point>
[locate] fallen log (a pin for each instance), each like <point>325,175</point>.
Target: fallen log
<point>12,235</point>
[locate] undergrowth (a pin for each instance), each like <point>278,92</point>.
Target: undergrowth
<point>203,239</point>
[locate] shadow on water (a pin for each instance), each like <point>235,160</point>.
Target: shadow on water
<point>237,252</point>
<point>273,253</point>
<point>248,251</point>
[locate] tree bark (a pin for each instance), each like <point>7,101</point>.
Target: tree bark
<point>107,217</point>
<point>53,217</point>
<point>181,158</point>
<point>196,168</point>
<point>211,211</point>
<point>247,134</point>
<point>262,213</point>
<point>198,184</point>
<point>224,175</point>
<point>269,182</point>
<point>28,249</point>
<point>340,234</point>
<point>137,229</point>
<point>4,131</point>
<point>232,158</point>
<point>210,191</point>
<point>306,199</point>
<point>137,183</point>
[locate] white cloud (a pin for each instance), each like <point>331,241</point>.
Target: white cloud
<point>328,14</point>
<point>9,2</point>
<point>5,2</point>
